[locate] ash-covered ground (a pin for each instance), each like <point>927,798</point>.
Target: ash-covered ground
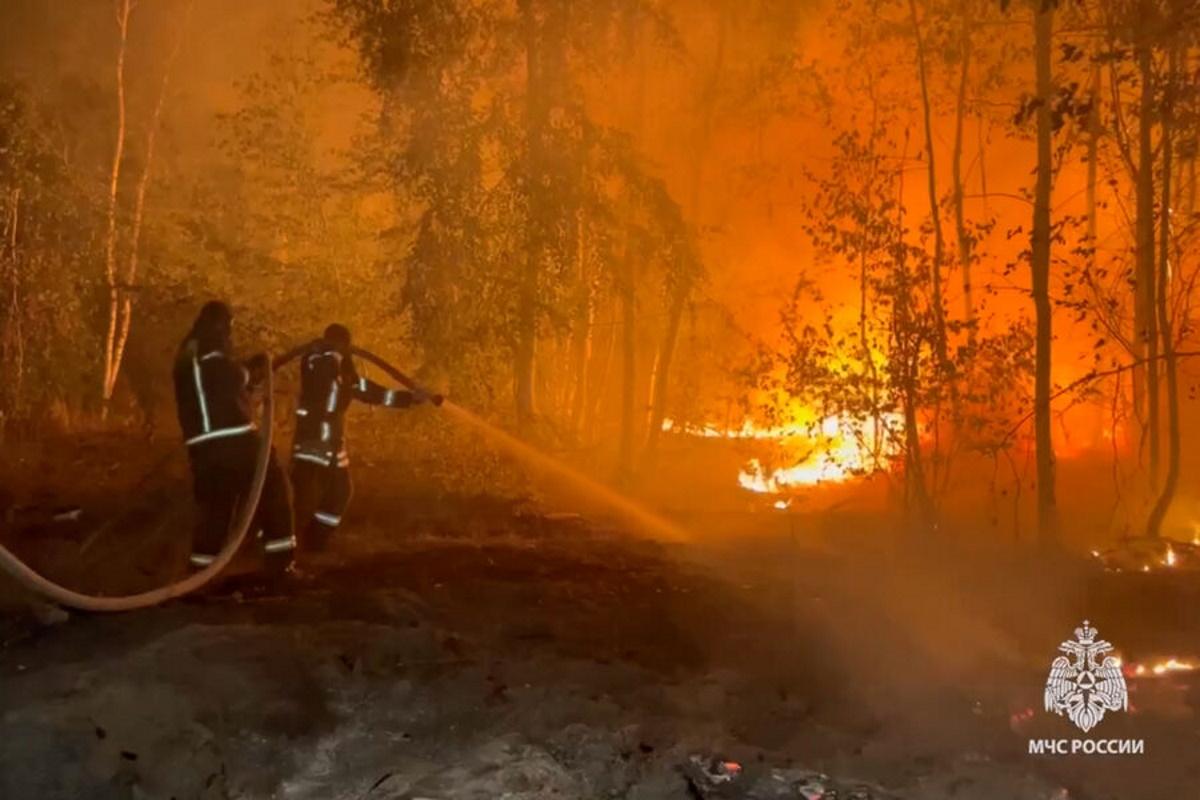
<point>476,647</point>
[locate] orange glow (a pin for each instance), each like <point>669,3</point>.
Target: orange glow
<point>833,452</point>
<point>1158,669</point>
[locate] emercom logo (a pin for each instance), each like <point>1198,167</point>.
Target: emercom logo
<point>1088,747</point>
<point>1084,684</point>
<point>1082,687</point>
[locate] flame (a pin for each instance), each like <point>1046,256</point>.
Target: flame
<point>747,430</point>
<point>1170,558</point>
<point>753,477</point>
<point>832,448</point>
<point>1160,668</point>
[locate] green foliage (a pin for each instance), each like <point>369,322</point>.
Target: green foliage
<point>46,357</point>
<point>526,204</point>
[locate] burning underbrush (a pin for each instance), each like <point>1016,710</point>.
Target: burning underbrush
<point>1150,554</point>
<point>805,452</point>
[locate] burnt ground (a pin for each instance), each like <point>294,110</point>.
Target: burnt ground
<point>475,647</point>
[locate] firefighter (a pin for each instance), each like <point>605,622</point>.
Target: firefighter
<point>320,463</point>
<point>213,395</point>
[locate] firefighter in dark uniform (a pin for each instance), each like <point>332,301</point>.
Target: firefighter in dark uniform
<point>320,463</point>
<point>213,395</point>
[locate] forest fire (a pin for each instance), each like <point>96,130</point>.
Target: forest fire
<point>598,398</point>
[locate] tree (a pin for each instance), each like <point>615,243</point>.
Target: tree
<point>1178,102</point>
<point>682,279</point>
<point>509,188</point>
<point>1139,43</point>
<point>935,216</point>
<point>111,362</point>
<point>124,318</point>
<point>1043,24</point>
<point>47,226</point>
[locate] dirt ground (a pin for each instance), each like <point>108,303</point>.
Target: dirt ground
<point>479,647</point>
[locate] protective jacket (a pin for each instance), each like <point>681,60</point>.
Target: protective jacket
<point>211,394</point>
<point>328,384</point>
<point>212,397</point>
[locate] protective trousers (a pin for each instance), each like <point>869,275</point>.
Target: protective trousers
<point>222,471</point>
<point>322,495</point>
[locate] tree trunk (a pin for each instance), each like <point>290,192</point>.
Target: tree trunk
<point>907,350</point>
<point>1145,317</point>
<point>1167,494</point>
<point>1191,193</point>
<point>1093,155</point>
<point>914,469</point>
<point>139,208</point>
<point>628,297</point>
<point>935,278</point>
<point>1047,514</point>
<point>660,380</point>
<point>12,344</point>
<point>960,224</point>
<point>627,278</point>
<point>110,241</point>
<point>906,353</point>
<point>525,351</point>
<point>600,387</point>
<point>581,343</point>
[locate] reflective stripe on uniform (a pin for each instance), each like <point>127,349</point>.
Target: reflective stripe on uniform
<point>301,412</point>
<point>280,545</point>
<point>389,397</point>
<point>362,384</point>
<point>332,520</point>
<point>325,432</point>
<point>201,560</point>
<point>200,398</point>
<point>311,457</point>
<point>213,354</point>
<point>333,392</point>
<point>220,434</point>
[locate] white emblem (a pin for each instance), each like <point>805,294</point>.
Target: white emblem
<point>1082,687</point>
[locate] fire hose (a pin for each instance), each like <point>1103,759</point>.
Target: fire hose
<point>43,586</point>
<point>365,355</point>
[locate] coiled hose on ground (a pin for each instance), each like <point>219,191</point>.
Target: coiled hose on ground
<point>43,586</point>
